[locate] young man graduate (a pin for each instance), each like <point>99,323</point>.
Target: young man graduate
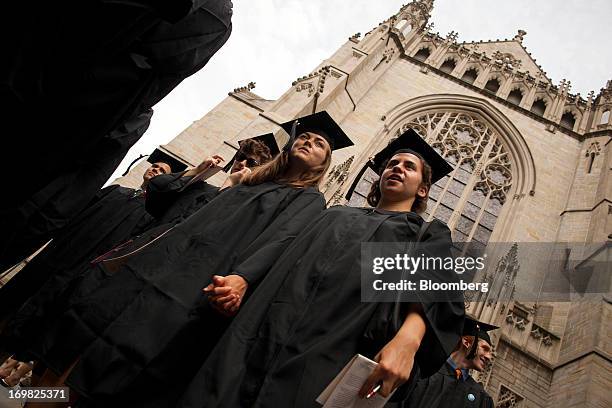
<point>306,319</point>
<point>452,386</point>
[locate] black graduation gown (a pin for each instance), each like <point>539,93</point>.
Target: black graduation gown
<point>45,214</point>
<point>141,348</point>
<point>306,320</point>
<point>93,65</point>
<point>115,215</point>
<point>169,201</point>
<point>443,389</point>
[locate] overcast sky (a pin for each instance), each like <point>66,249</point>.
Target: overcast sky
<point>276,41</point>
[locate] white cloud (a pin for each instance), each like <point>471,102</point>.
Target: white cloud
<point>274,42</point>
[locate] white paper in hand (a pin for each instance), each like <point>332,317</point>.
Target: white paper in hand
<point>343,391</point>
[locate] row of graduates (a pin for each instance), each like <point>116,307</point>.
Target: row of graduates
<point>255,298</point>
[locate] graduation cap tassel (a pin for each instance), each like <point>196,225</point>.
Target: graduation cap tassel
<point>229,165</point>
<point>292,137</point>
<point>472,354</point>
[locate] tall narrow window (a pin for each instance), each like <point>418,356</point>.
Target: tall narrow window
<point>492,85</point>
<point>591,160</point>
<point>538,107</point>
<point>605,117</point>
<point>423,54</point>
<point>470,75</point>
<point>448,66</point>
<point>568,120</point>
<point>515,96</point>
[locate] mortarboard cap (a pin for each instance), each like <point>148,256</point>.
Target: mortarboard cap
<point>268,139</point>
<point>409,141</point>
<point>159,155</point>
<point>320,123</point>
<point>479,330</point>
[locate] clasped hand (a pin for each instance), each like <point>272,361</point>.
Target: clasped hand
<point>226,293</point>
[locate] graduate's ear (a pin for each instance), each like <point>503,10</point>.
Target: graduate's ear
<point>422,191</point>
<point>466,342</point>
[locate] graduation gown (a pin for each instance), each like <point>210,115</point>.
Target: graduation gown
<point>43,216</point>
<point>443,389</point>
<point>116,214</point>
<point>170,200</point>
<point>306,320</point>
<point>82,68</point>
<point>141,348</point>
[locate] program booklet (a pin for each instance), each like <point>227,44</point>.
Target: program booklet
<point>343,391</point>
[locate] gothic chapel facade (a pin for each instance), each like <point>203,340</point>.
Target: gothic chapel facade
<point>531,164</point>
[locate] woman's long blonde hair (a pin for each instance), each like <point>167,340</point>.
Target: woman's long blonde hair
<point>277,167</point>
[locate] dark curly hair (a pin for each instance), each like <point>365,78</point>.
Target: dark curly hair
<point>420,203</point>
<point>255,148</point>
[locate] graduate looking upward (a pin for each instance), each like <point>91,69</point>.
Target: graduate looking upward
<point>152,308</point>
<point>453,386</point>
<point>305,320</point>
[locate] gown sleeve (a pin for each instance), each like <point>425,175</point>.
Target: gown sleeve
<point>255,262</point>
<point>444,317</point>
<point>163,191</point>
<point>171,11</point>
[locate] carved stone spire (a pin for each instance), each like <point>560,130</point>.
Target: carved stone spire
<point>416,12</point>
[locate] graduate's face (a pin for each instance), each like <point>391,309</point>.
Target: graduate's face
<point>243,160</point>
<point>402,178</point>
<point>155,170</point>
<point>310,150</point>
<point>484,355</point>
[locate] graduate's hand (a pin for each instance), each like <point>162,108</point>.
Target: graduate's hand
<point>20,371</point>
<point>236,178</point>
<point>215,160</point>
<point>395,362</point>
<point>7,367</point>
<point>215,293</point>
<point>396,358</point>
<point>227,292</point>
